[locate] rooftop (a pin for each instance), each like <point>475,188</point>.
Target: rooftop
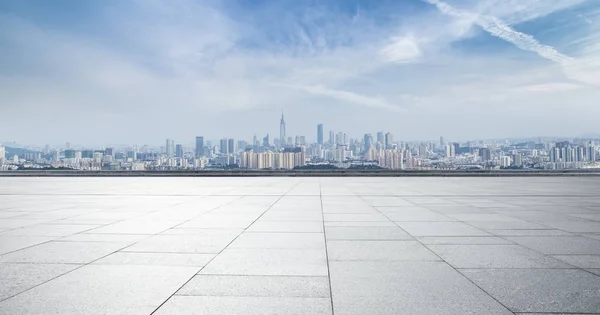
<point>271,245</point>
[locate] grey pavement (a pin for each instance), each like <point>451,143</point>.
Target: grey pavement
<point>276,245</point>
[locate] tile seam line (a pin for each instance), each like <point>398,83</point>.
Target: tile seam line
<point>326,249</point>
<point>449,265</point>
<point>226,246</point>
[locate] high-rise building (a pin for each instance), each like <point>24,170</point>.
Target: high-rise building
<point>320,134</point>
<point>518,160</point>
<point>368,142</point>
<point>223,146</point>
<point>2,153</point>
<point>289,141</point>
<point>485,154</point>
<point>442,143</point>
<point>331,137</point>
<point>266,141</point>
<point>449,150</point>
<point>380,138</point>
<point>170,148</point>
<point>389,139</point>
<point>179,151</point>
<point>282,136</point>
<point>69,154</point>
<point>242,145</point>
<point>199,147</point>
<point>231,148</point>
<point>109,152</point>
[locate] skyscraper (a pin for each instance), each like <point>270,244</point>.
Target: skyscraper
<point>179,151</point>
<point>442,143</point>
<point>282,137</point>
<point>170,148</point>
<point>380,137</point>
<point>231,146</point>
<point>368,142</point>
<point>389,138</point>
<point>331,137</point>
<point>199,147</point>
<point>320,134</point>
<point>485,154</point>
<point>223,146</point>
<point>266,141</point>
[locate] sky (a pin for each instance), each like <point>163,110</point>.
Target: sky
<point>140,71</point>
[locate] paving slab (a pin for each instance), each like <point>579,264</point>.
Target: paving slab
<point>494,256</point>
<point>273,245</point>
<point>274,286</point>
<point>541,290</point>
<point>268,262</point>
<point>96,289</point>
<point>379,250</point>
<point>16,278</point>
<point>406,288</point>
<point>366,233</point>
<point>560,245</point>
<point>227,305</point>
<point>441,229</point>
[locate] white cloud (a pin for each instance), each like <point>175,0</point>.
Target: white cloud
<point>346,96</point>
<point>498,28</point>
<point>188,69</point>
<point>402,49</point>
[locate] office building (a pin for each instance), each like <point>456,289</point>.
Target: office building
<point>380,138</point>
<point>505,161</point>
<point>367,142</point>
<point>231,146</point>
<point>320,134</point>
<point>485,154</point>
<point>199,152</point>
<point>449,150</point>
<point>223,146</point>
<point>170,148</point>
<point>389,139</point>
<point>518,160</point>
<point>69,154</point>
<point>331,137</point>
<point>179,151</point>
<point>423,151</point>
<point>265,141</point>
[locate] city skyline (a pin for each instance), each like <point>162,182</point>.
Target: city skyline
<point>416,68</point>
<point>378,136</point>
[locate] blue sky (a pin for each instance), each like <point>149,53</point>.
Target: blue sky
<point>106,72</point>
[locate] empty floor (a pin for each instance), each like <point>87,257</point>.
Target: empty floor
<point>519,245</point>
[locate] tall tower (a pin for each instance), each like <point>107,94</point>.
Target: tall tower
<point>170,148</point>
<point>320,134</point>
<point>282,137</point>
<point>199,147</point>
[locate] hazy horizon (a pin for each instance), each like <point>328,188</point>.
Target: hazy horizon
<point>117,72</point>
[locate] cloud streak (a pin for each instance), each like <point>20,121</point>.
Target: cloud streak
<point>500,29</point>
<point>346,96</point>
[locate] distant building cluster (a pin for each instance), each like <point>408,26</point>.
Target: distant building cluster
<point>338,150</point>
